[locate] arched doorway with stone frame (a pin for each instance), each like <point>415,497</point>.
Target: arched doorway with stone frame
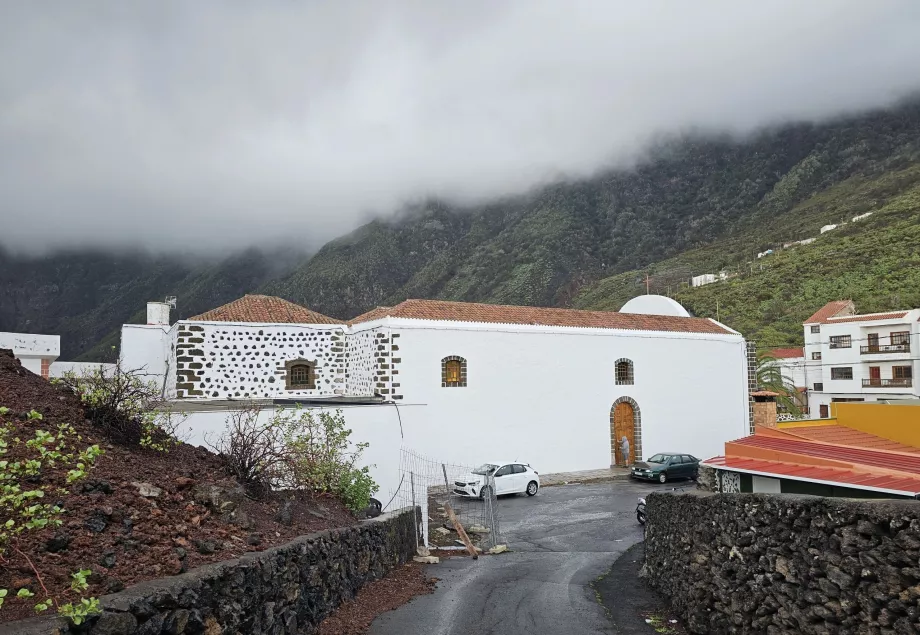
<point>625,420</point>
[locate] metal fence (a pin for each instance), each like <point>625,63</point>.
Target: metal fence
<point>435,487</point>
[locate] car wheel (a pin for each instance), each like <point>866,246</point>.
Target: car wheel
<point>532,488</point>
<point>485,491</point>
<point>662,478</point>
<point>695,477</point>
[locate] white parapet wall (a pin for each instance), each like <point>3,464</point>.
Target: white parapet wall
<point>36,352</point>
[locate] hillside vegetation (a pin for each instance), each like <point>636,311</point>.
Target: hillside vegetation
<point>875,262</point>
<point>695,205</point>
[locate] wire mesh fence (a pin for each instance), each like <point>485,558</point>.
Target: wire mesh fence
<point>443,490</point>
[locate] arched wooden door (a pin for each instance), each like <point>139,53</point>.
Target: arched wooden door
<point>622,424</point>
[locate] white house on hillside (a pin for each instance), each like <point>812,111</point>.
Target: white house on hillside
<point>851,357</point>
<point>35,352</point>
<point>556,388</point>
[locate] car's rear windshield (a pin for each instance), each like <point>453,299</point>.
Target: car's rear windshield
<point>486,468</point>
<point>660,458</point>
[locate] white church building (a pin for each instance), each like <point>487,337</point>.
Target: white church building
<point>463,382</point>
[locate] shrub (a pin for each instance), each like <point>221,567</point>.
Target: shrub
<point>252,450</point>
<point>126,407</point>
<point>321,458</point>
<point>296,450</point>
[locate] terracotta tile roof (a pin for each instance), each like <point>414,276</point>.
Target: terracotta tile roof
<point>895,315</point>
<point>373,314</point>
<point>830,310</point>
<point>505,314</point>
<point>786,353</point>
<point>264,308</point>
<point>842,435</point>
<point>906,484</point>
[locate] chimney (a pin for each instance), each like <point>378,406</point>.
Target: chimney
<point>158,313</point>
<point>764,408</point>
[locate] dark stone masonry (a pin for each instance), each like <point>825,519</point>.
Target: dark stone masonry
<point>280,591</point>
<point>763,563</point>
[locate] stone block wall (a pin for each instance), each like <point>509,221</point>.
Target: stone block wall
<point>765,563</point>
<point>281,591</point>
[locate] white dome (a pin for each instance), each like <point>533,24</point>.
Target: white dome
<point>654,305</point>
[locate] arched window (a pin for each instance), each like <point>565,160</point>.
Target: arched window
<point>453,372</point>
<point>300,374</point>
<point>623,371</point>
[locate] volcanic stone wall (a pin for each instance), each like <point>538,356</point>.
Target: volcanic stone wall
<point>281,591</point>
<point>779,563</point>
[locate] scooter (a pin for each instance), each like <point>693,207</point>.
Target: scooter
<point>640,511</point>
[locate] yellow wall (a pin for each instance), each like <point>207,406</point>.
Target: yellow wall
<point>805,423</point>
<point>896,423</point>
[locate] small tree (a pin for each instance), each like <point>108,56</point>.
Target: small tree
<point>127,407</point>
<point>252,450</point>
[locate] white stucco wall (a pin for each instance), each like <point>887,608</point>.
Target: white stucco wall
<point>58,369</point>
<point>30,348</point>
<point>145,347</point>
<point>377,425</point>
<point>544,395</point>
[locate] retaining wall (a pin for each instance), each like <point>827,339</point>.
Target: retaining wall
<point>762,563</point>
<point>280,591</point>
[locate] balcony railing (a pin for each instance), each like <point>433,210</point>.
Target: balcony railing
<point>885,348</point>
<point>903,382</point>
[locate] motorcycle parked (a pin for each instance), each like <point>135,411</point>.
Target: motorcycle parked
<point>640,511</point>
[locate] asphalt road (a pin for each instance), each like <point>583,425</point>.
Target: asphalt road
<point>561,540</point>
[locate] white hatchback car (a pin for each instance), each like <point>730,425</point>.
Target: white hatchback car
<point>510,478</point>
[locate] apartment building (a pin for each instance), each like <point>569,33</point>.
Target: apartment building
<point>853,357</point>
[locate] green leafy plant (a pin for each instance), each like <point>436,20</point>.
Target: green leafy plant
<point>80,611</point>
<point>23,510</point>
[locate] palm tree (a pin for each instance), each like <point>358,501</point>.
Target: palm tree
<point>770,377</point>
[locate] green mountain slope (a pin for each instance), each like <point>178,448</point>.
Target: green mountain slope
<point>86,297</point>
<point>875,262</point>
<point>737,196</point>
<point>695,205</point>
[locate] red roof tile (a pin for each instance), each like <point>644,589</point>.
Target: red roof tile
<point>830,310</point>
<point>786,353</point>
<point>264,308</point>
<point>505,314</point>
<point>906,484</point>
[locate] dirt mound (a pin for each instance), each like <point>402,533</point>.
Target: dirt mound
<point>140,514</point>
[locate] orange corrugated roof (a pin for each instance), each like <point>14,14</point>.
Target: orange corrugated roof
<point>830,310</point>
<point>786,353</point>
<point>264,308</point>
<point>869,458</point>
<point>842,435</point>
<point>506,314</point>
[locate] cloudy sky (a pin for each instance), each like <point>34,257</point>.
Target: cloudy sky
<point>177,124</point>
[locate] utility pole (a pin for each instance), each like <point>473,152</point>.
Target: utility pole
<point>718,319</point>
<point>646,283</point>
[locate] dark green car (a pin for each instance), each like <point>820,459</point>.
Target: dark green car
<point>667,466</point>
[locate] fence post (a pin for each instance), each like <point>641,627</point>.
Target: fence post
<point>414,508</point>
